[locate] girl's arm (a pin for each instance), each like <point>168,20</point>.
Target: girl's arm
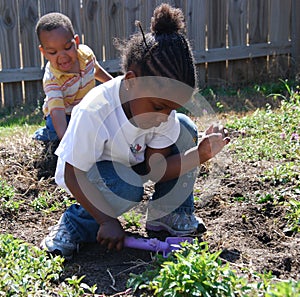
<point>110,231</point>
<point>163,167</point>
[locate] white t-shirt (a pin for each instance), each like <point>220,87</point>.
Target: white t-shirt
<point>99,130</point>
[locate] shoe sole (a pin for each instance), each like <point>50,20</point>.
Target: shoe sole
<point>54,252</point>
<point>163,227</point>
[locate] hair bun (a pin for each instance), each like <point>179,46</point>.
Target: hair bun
<point>167,19</point>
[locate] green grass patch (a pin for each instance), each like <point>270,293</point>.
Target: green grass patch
<point>269,134</point>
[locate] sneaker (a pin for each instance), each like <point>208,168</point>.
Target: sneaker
<point>59,242</point>
<point>178,224</point>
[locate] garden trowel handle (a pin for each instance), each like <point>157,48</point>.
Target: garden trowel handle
<point>151,244</point>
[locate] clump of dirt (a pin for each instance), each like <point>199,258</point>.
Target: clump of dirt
<point>250,235</point>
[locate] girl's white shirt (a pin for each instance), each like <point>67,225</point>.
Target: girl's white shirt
<point>99,130</point>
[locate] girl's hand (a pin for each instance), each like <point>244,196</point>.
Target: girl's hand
<point>111,234</point>
<point>213,141</point>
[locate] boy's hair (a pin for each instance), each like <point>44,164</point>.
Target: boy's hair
<point>165,51</point>
<point>53,20</point>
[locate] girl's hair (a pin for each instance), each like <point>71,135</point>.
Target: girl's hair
<point>165,51</point>
<point>52,21</point>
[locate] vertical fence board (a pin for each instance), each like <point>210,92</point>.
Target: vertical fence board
<point>196,18</point>
<point>295,35</point>
<point>131,14</point>
<point>280,30</point>
<point>47,6</point>
<point>9,49</point>
<point>93,26</point>
<point>72,9</point>
<point>217,39</point>
<point>113,21</point>
<point>258,33</point>
<point>149,7</point>
<point>30,53</point>
<point>237,36</point>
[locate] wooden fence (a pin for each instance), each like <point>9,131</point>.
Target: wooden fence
<point>234,41</point>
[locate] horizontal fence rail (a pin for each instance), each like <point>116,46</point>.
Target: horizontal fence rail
<point>234,41</point>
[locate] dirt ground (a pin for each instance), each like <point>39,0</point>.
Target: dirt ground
<point>251,236</point>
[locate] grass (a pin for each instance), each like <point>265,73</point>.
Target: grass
<point>270,134</point>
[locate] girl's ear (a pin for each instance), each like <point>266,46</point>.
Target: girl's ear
<point>41,49</point>
<point>77,39</point>
<point>130,74</point>
<point>129,79</point>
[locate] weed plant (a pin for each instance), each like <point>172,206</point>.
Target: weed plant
<point>25,270</point>
<point>194,271</point>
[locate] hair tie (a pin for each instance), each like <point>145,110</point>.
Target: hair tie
<point>138,24</point>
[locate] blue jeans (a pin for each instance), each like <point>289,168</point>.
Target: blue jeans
<point>48,132</point>
<point>123,188</point>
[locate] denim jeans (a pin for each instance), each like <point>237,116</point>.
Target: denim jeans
<point>48,132</point>
<point>123,188</point>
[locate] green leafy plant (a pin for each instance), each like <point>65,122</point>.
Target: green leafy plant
<point>284,288</point>
<point>132,219</point>
<point>293,215</point>
<point>25,270</point>
<point>283,173</point>
<point>192,271</point>
<point>6,191</point>
<point>40,202</point>
<point>7,197</point>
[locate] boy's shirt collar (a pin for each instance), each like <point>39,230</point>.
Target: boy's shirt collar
<point>82,57</point>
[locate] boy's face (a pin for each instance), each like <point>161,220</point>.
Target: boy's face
<point>59,47</point>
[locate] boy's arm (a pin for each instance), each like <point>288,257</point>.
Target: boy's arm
<point>163,167</point>
<point>59,121</point>
<point>101,74</point>
<point>110,232</point>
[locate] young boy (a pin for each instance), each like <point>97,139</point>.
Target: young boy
<point>69,74</point>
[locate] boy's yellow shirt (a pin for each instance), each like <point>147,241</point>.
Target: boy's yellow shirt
<point>65,90</point>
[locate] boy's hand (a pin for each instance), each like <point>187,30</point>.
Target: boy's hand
<point>213,141</point>
<point>111,234</point>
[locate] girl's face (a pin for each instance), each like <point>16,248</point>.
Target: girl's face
<point>150,112</point>
<point>148,100</point>
<point>59,47</point>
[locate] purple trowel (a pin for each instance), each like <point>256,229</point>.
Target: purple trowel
<point>155,245</point>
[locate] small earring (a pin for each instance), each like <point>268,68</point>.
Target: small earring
<point>126,85</point>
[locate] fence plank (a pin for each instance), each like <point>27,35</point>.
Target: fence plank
<point>30,53</point>
<point>196,21</point>
<point>237,36</point>
<point>217,39</point>
<point>47,6</point>
<point>93,26</point>
<point>10,52</point>
<point>280,30</point>
<point>258,33</point>
<point>72,9</point>
<point>113,22</point>
<point>295,35</point>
